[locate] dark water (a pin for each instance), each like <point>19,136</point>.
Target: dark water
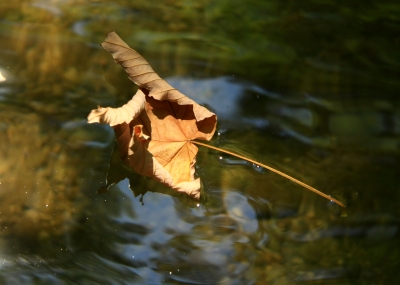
<point>308,87</point>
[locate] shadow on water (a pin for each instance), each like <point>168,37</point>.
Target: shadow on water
<point>309,88</point>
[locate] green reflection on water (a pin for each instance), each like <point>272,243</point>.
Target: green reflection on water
<point>330,117</point>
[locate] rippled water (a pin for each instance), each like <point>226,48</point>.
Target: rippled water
<point>309,88</point>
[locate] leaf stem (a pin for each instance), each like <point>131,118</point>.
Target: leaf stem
<point>273,170</point>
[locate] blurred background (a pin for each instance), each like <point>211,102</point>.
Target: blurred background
<point>310,88</point>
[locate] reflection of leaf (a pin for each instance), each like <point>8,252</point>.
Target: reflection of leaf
<point>116,171</point>
<point>155,128</point>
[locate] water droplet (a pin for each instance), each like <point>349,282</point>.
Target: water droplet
<point>133,256</point>
<point>258,168</point>
<point>47,205</point>
<point>170,273</point>
<point>198,205</point>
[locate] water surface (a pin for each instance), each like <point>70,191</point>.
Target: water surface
<point>309,88</point>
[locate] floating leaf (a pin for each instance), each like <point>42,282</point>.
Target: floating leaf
<point>156,128</point>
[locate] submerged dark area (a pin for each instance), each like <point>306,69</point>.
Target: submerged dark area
<point>310,88</point>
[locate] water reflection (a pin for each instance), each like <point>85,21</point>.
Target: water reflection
<point>196,247</point>
<point>2,78</point>
<point>308,88</point>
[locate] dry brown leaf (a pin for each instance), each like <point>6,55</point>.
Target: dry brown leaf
<point>155,128</point>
